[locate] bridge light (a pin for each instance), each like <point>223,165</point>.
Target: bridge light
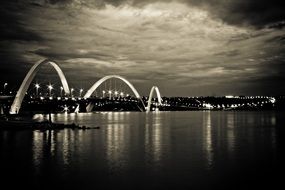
<point>65,108</point>
<point>80,92</point>
<point>50,87</point>
<point>5,84</point>
<point>272,100</point>
<point>61,89</point>
<point>37,89</point>
<point>110,93</point>
<point>121,94</point>
<point>71,92</point>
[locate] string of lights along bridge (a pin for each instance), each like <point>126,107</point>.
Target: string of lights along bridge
<point>16,105</point>
<point>115,88</point>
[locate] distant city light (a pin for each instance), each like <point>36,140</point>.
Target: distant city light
<point>208,106</point>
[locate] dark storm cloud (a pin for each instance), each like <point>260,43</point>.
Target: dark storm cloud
<point>12,32</point>
<point>12,25</point>
<point>255,12</point>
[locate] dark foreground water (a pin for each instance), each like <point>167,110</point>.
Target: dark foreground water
<point>166,150</point>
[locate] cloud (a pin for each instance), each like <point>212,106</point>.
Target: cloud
<point>186,45</point>
<point>253,12</point>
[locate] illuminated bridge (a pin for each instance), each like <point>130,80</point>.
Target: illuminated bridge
<point>16,105</point>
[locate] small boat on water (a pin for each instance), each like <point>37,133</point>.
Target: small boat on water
<point>15,122</point>
<point>20,122</point>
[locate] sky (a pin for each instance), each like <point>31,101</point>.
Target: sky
<point>185,47</point>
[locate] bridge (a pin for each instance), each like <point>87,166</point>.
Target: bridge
<point>16,105</point>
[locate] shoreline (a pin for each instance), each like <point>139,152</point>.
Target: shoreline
<point>44,125</point>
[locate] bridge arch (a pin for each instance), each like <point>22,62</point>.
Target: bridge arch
<point>153,89</point>
<point>99,82</point>
<point>29,78</point>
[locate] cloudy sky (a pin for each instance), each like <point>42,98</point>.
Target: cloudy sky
<point>185,47</point>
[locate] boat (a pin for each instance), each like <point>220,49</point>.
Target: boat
<point>15,122</point>
<point>12,122</point>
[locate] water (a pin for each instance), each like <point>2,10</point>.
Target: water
<point>164,150</point>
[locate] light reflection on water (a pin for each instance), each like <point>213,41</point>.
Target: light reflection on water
<point>156,146</point>
<point>208,145</point>
<point>116,139</point>
<point>231,132</point>
<point>153,136</point>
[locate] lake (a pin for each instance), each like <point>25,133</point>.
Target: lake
<point>159,150</point>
